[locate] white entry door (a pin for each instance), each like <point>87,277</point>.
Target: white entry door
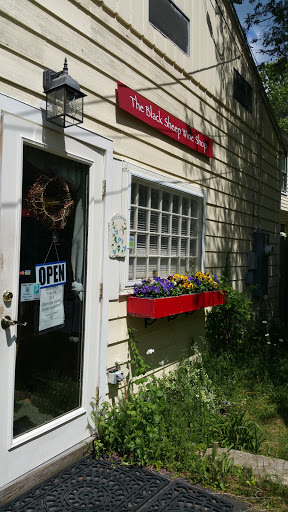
<point>52,240</point>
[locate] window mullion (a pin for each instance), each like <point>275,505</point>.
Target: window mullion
<point>136,229</point>
<point>179,235</point>
<point>188,236</point>
<point>198,243</point>
<point>160,230</point>
<point>170,233</point>
<point>148,223</point>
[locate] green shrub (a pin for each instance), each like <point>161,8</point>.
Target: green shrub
<point>171,420</point>
<point>230,323</point>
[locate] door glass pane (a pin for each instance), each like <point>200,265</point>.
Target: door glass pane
<point>48,377</point>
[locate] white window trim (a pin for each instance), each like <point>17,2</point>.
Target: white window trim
<point>188,53</point>
<point>158,179</point>
<point>285,172</point>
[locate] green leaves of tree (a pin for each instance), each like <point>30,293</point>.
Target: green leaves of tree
<point>274,76</point>
<point>272,17</point>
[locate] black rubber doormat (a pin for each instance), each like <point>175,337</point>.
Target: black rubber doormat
<point>100,485</point>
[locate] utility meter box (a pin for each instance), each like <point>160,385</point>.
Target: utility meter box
<point>115,376</point>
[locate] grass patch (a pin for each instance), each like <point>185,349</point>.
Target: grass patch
<point>235,394</point>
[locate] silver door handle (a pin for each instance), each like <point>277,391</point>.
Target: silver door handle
<point>6,322</point>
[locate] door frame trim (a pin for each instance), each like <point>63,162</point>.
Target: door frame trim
<point>103,146</point>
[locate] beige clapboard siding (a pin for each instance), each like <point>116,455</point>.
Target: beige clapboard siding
<point>119,352</point>
<point>240,206</point>
<point>110,40</point>
<point>284,220</point>
<point>163,333</point>
<point>117,330</point>
<point>201,54</point>
<point>284,202</point>
<point>16,70</point>
<point>215,261</point>
<point>223,230</point>
<point>182,169</point>
<point>117,308</point>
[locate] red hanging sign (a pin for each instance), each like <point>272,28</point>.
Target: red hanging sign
<point>161,120</point>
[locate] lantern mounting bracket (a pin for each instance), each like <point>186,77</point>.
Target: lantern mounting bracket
<point>48,76</point>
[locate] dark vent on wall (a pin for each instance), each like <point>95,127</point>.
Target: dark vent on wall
<point>242,91</point>
<point>167,17</point>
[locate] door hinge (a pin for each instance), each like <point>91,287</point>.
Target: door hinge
<point>103,188</point>
<point>100,290</point>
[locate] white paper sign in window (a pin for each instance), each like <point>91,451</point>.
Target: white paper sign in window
<point>51,312</point>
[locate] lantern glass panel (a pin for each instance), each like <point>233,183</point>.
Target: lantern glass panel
<point>55,106</point>
<point>73,106</point>
<point>64,106</point>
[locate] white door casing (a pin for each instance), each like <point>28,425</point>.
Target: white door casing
<point>23,124</point>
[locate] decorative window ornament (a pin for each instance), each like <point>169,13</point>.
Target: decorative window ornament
<point>50,201</point>
<point>118,236</point>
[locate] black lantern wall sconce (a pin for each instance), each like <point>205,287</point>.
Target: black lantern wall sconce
<point>64,100</point>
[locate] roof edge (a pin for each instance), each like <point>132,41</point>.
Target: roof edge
<point>233,14</point>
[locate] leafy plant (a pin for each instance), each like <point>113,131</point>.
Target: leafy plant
<point>230,323</point>
<point>136,359</point>
<point>227,395</point>
<point>274,76</point>
<point>172,421</point>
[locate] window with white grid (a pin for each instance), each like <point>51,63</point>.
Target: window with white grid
<point>284,172</point>
<point>165,230</point>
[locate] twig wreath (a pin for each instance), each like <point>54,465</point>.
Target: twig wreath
<point>50,201</point>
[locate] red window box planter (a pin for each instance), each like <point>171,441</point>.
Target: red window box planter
<point>168,306</point>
